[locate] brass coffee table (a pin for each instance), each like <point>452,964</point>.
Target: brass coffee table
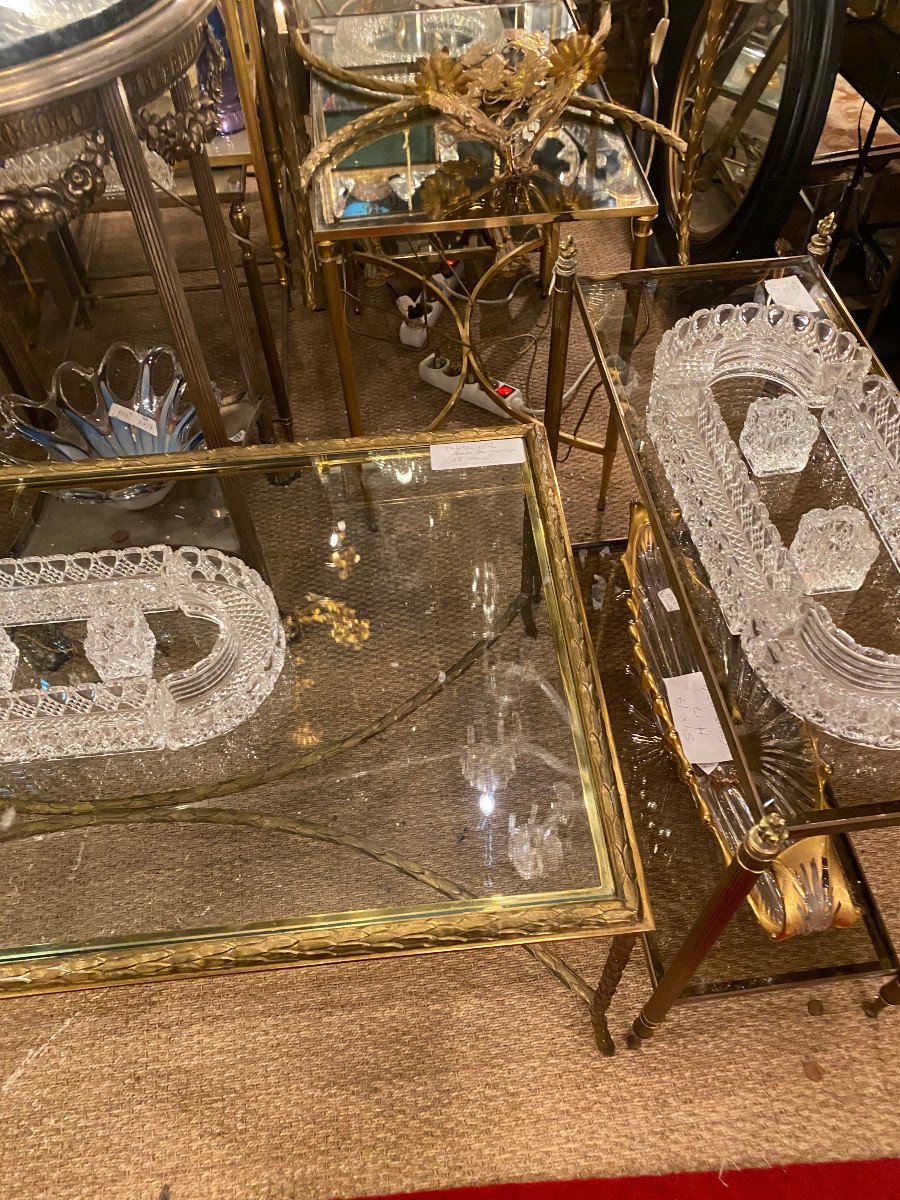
<point>433,768</point>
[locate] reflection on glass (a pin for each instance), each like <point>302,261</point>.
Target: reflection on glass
<point>439,166</point>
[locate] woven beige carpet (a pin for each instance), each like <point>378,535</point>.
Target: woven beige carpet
<point>435,1071</point>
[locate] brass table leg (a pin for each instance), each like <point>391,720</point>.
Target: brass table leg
<point>241,223</point>
<point>549,253</point>
<point>761,846</point>
<point>626,344</point>
<point>16,360</point>
<point>889,995</point>
<point>610,445</point>
<point>247,93</point>
<point>351,270</point>
<point>614,968</point>
<point>286,74</point>
<point>220,244</point>
<point>268,122</point>
<point>640,240</point>
<point>340,333</point>
<point>142,201</point>
<point>560,324</point>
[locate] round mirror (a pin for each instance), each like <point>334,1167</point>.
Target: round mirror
<point>771,84</point>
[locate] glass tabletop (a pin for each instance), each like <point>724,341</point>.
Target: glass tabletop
<point>32,29</point>
<point>427,174</point>
<point>390,732</point>
<point>631,316</point>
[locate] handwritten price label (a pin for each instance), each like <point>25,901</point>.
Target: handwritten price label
<point>135,419</point>
<point>456,456</point>
<point>694,717</point>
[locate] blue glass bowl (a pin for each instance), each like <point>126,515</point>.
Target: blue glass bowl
<point>132,404</point>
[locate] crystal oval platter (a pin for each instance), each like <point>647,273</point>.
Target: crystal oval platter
<point>806,659</point>
<point>806,890</point>
<point>127,709</point>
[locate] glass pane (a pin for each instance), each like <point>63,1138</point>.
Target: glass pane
<point>417,710</point>
<point>30,29</point>
<point>746,91</point>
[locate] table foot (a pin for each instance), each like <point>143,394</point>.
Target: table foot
<point>616,962</point>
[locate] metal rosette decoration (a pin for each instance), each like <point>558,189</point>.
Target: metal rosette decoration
<point>30,139</point>
<point>806,890</point>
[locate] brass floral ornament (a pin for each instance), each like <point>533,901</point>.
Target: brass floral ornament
<point>440,73</point>
<point>576,54</point>
<point>509,96</point>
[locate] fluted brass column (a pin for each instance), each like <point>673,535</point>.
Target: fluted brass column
<point>560,325</point>
<point>141,200</point>
<point>222,250</point>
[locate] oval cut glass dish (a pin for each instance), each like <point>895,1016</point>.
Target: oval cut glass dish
<point>717,360</point>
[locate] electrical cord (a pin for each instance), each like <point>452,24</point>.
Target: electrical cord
<point>584,412</point>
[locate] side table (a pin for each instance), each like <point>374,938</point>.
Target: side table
<point>87,79</point>
<point>857,788</point>
<point>410,169</point>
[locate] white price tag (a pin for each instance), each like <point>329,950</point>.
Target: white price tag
<point>790,292</point>
<point>456,456</point>
<point>695,720</point>
<point>130,417</point>
<point>669,600</point>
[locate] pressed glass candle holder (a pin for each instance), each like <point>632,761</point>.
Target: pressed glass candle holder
<point>834,549</point>
<point>778,435</point>
<point>119,642</point>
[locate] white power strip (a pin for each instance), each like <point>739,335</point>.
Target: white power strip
<point>438,372</point>
<point>416,323</point>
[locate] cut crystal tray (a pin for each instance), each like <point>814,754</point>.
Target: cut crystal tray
<point>815,668</point>
<point>128,709</point>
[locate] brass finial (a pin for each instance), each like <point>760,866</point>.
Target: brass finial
<point>820,242</point>
<point>566,262</point>
<point>768,837</point>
